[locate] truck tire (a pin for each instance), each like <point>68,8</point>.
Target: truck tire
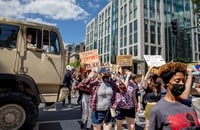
<point>17,111</point>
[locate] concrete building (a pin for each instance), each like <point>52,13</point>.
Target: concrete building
<point>143,27</point>
<point>72,52</point>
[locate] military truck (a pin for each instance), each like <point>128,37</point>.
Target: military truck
<point>28,77</point>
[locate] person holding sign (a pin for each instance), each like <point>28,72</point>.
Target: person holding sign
<point>152,87</point>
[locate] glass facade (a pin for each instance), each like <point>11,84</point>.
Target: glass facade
<point>180,44</point>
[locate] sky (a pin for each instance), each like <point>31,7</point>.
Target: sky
<point>70,16</point>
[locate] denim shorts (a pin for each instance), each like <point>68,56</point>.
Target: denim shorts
<point>99,117</point>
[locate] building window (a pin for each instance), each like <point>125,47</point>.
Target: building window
<point>125,30</point>
<point>158,33</point>
<point>125,41</point>
<point>146,30</point>
<point>135,37</point>
<point>135,25</point>
<point>125,51</point>
<point>159,51</point>
<point>121,42</point>
<point>152,29</point>
<point>135,50</point>
<point>130,39</point>
<point>146,51</point>
<point>108,58</point>
<point>121,52</point>
<point>130,28</point>
<point>152,8</point>
<point>153,50</point>
<point>130,50</point>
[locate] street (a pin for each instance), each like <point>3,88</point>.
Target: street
<point>57,117</point>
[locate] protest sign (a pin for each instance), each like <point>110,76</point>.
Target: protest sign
<point>154,60</point>
<point>89,59</point>
<point>124,60</point>
<point>196,72</point>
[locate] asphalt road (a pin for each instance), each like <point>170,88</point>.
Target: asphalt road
<point>57,117</point>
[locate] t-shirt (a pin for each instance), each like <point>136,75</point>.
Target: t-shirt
<point>125,100</point>
<point>173,116</point>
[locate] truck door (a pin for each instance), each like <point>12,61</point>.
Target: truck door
<point>45,62</point>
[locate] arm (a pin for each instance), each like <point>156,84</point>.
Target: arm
<point>83,86</point>
<point>145,83</point>
<point>126,82</point>
<point>188,84</point>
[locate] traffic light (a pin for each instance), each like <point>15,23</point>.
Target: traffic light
<point>198,24</point>
<point>174,27</point>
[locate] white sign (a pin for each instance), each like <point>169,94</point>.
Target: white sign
<point>154,60</point>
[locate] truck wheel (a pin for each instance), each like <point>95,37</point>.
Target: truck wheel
<point>17,111</point>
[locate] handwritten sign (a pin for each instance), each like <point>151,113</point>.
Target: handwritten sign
<point>124,60</point>
<point>89,59</point>
<point>154,60</point>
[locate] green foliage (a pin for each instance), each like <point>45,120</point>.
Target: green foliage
<point>197,8</point>
<point>74,64</point>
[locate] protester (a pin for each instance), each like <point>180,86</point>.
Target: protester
<point>67,83</point>
<point>127,103</point>
<point>174,111</point>
<point>152,88</point>
<point>85,107</point>
<point>102,97</point>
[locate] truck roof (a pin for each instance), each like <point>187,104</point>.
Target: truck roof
<point>29,23</point>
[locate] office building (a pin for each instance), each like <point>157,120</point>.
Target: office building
<point>144,27</point>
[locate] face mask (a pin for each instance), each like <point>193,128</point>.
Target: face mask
<point>158,84</point>
<point>177,89</point>
<point>105,78</point>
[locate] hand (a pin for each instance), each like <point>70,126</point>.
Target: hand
<point>190,70</point>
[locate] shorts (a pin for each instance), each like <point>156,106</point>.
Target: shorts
<point>148,110</point>
<point>130,113</point>
<point>99,117</point>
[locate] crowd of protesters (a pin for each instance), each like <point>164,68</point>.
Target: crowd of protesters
<point>108,98</point>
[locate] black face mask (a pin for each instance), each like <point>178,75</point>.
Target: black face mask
<point>158,84</point>
<point>105,78</point>
<point>177,89</point>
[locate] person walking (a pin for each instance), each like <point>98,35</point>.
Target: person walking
<point>152,88</point>
<point>85,107</point>
<point>102,97</point>
<point>174,111</point>
<point>67,83</point>
<point>127,103</point>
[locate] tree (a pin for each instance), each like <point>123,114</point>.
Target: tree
<point>197,8</point>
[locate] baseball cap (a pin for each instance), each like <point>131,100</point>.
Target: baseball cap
<point>104,70</point>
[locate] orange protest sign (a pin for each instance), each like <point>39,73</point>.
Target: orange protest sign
<point>89,59</point>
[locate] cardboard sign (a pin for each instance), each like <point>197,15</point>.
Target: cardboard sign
<point>89,59</point>
<point>124,60</point>
<point>154,60</point>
